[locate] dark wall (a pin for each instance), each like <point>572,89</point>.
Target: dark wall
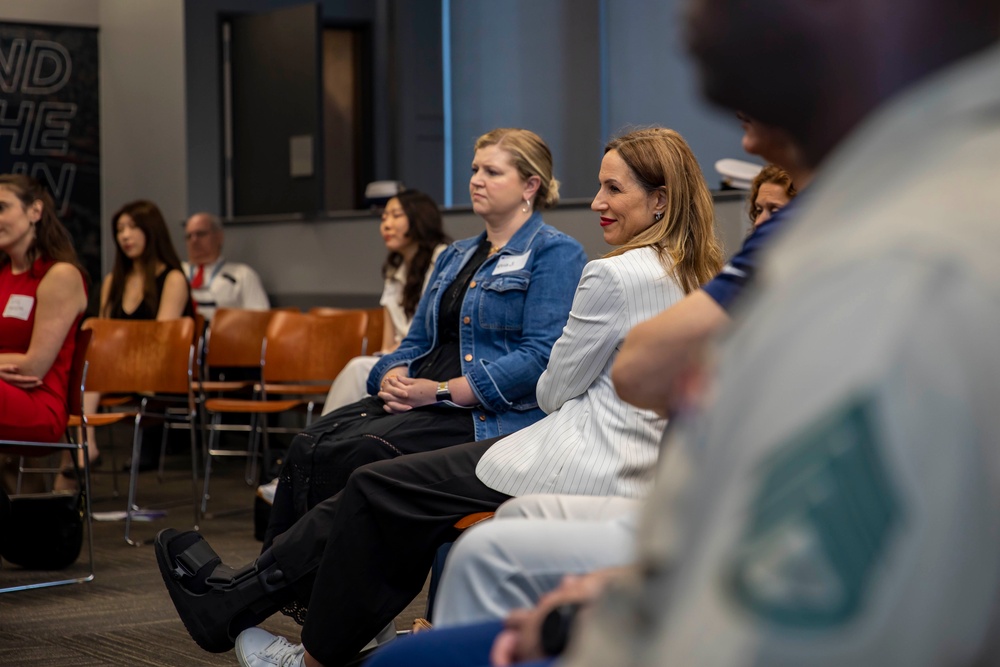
<point>405,88</point>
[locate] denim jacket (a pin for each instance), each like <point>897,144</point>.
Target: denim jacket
<point>514,310</point>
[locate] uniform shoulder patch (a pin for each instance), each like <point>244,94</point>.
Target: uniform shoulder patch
<point>819,523</point>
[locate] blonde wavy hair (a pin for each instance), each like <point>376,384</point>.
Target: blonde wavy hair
<point>531,157</point>
<point>684,238</point>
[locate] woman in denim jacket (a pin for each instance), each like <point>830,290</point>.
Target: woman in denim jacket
<point>515,309</point>
<point>479,341</point>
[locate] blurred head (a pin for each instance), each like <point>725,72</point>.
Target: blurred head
<point>653,194</point>
<point>395,228</point>
<point>411,228</point>
<point>512,168</point>
<point>769,142</point>
<point>142,242</point>
<point>411,219</point>
<point>28,222</point>
<point>818,68</point>
<point>729,41</point>
<point>770,191</point>
<point>203,238</point>
<point>141,236</point>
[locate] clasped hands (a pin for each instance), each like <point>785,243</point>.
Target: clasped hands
<point>402,393</point>
<point>11,374</point>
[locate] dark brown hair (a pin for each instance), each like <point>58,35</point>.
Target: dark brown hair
<point>426,230</point>
<point>52,241</point>
<point>159,250</point>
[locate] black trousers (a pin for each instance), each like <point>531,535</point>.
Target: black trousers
<point>365,553</point>
<point>321,459</point>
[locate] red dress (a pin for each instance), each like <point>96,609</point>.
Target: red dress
<point>34,414</point>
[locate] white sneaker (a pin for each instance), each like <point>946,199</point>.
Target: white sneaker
<point>266,491</point>
<point>259,648</point>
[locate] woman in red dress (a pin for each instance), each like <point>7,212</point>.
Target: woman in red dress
<point>42,298</point>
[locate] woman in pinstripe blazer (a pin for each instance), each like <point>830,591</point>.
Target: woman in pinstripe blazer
<point>655,207</point>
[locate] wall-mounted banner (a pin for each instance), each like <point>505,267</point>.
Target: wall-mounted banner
<point>50,123</point>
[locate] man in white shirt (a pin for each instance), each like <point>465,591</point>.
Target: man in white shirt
<point>215,281</point>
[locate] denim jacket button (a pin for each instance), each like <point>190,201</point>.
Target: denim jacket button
<point>468,357</point>
<point>472,284</point>
<point>482,418</point>
<point>466,319</point>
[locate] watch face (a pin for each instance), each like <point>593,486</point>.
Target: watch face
<point>442,392</point>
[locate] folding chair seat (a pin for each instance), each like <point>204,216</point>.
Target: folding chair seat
<point>300,357</point>
<point>74,397</point>
<point>153,361</point>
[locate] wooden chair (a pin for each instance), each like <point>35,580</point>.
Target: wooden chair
<point>154,361</point>
<point>233,341</point>
<point>109,401</point>
<point>374,330</point>
<point>300,357</point>
<point>74,399</point>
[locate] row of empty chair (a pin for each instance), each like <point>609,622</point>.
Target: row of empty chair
<point>164,367</point>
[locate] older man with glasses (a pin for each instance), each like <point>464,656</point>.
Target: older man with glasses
<point>215,281</point>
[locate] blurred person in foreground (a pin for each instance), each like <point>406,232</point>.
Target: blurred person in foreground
<point>846,515</point>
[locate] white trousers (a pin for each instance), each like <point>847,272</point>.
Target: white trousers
<point>351,384</point>
<point>524,552</point>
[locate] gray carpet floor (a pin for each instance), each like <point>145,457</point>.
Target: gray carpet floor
<point>124,616</point>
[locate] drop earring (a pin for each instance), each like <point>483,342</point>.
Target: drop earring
<point>658,216</point>
<point>526,207</point>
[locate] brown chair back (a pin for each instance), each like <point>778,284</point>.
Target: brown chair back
<point>128,356</point>
<point>302,347</point>
<point>235,337</point>
<point>373,330</point>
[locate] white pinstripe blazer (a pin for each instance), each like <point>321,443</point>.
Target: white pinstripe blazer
<point>591,442</point>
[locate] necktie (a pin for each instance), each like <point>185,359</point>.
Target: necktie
<point>199,277</point>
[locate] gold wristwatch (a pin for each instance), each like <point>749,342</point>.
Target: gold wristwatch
<point>443,394</point>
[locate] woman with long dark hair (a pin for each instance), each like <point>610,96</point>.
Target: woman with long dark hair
<point>146,282</point>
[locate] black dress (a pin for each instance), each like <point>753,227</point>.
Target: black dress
<point>144,311</point>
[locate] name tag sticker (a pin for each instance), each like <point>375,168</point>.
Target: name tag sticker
<point>19,306</point>
<point>511,263</point>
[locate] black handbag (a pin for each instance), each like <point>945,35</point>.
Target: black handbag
<point>43,531</point>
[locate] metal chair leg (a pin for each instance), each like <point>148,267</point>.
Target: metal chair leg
<point>194,471</point>
<point>133,479</point>
<point>216,417</point>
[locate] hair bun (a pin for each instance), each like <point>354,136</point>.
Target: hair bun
<point>552,194</point>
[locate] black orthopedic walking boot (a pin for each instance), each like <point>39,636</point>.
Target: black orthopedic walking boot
<point>217,602</point>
